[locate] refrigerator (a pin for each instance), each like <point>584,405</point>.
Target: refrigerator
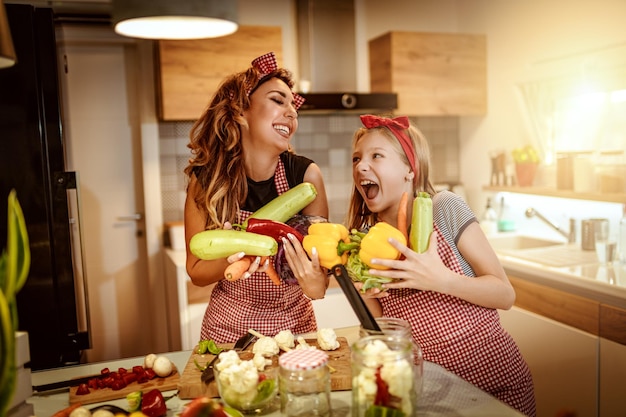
<point>52,305</point>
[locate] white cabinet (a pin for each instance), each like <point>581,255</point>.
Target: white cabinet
<point>563,361</point>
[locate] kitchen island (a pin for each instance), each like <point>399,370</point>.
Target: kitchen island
<point>443,394</point>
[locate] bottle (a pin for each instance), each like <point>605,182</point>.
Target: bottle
<point>304,381</point>
<point>505,222</point>
<point>489,220</point>
<point>622,237</point>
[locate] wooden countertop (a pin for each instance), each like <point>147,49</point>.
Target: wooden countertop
<point>443,393</point>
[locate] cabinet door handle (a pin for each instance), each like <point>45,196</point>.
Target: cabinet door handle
<point>131,218</point>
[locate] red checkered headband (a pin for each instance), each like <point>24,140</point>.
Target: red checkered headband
<point>397,126</point>
<point>266,64</point>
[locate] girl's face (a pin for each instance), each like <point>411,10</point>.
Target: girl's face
<point>272,118</point>
<point>380,175</point>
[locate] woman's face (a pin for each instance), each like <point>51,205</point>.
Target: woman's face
<point>272,118</point>
<point>380,175</point>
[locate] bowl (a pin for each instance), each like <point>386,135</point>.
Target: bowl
<point>244,387</point>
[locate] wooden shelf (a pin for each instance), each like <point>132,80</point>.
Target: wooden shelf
<point>551,192</point>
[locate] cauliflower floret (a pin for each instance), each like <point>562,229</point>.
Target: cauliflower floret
<point>285,339</point>
<point>266,346</point>
<point>399,378</point>
<point>240,381</point>
<point>227,359</point>
<point>260,362</point>
<point>366,381</point>
<point>327,339</point>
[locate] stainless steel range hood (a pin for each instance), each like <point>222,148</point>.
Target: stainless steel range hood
<point>327,43</point>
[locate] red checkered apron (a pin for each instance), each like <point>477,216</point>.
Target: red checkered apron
<point>257,303</point>
<point>465,338</point>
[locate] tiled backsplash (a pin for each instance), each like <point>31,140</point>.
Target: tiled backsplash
<point>324,138</point>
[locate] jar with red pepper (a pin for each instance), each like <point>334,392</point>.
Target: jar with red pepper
<point>384,378</point>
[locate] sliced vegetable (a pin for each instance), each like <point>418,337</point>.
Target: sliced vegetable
<point>134,401</point>
<point>421,222</point>
<point>286,205</point>
<point>216,244</point>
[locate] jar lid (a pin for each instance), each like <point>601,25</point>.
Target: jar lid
<point>303,359</point>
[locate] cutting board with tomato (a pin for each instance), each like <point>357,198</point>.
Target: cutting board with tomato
<point>190,386</point>
<point>106,394</point>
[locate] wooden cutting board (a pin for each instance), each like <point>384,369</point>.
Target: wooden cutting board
<point>107,394</point>
<point>190,386</point>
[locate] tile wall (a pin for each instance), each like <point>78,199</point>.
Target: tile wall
<point>324,138</point>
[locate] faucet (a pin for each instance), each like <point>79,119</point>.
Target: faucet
<point>570,236</point>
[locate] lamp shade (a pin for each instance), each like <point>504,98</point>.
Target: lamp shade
<point>174,19</point>
<point>7,52</point>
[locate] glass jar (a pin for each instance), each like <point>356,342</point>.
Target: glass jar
<point>304,380</point>
<point>384,380</point>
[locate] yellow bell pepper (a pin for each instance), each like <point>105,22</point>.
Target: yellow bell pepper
<point>332,242</point>
<point>375,244</point>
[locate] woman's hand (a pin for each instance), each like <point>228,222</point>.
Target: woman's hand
<point>255,266</point>
<point>313,279</point>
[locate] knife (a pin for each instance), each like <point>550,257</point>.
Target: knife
<point>241,344</point>
<point>64,384</point>
<point>354,298</point>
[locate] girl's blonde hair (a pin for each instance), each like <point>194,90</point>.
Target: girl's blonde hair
<point>359,216</point>
<point>216,147</point>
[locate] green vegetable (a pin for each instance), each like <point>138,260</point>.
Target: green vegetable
<point>358,271</point>
<point>264,390</point>
<point>208,346</point>
<point>286,205</point>
<point>380,411</point>
<point>14,267</point>
<point>134,401</point>
<point>421,222</point>
<point>216,244</point>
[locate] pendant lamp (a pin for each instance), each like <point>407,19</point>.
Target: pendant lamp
<point>7,52</point>
<point>174,19</point>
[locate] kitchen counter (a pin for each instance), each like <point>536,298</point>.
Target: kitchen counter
<point>602,283</point>
<point>443,394</point>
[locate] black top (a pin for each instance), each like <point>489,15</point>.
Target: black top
<point>262,192</point>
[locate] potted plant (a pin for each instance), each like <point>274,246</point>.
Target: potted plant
<point>526,161</point>
<point>14,267</point>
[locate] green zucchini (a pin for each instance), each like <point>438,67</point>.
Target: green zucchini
<point>286,205</point>
<point>219,243</point>
<point>421,222</point>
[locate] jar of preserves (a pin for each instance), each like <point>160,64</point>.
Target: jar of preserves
<point>304,381</point>
<point>384,380</point>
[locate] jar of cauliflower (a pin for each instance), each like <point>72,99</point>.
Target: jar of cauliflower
<point>384,380</point>
<point>304,383</point>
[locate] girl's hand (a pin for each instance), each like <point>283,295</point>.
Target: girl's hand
<point>423,271</point>
<point>313,279</point>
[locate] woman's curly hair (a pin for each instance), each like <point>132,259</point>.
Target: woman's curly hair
<point>217,153</point>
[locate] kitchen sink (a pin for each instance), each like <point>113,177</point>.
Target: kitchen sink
<point>508,242</point>
<point>542,251</point>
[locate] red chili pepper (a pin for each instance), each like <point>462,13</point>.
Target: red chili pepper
<point>382,391</point>
<point>82,389</point>
<point>153,404</point>
<point>272,228</point>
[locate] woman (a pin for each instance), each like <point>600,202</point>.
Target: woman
<point>449,293</point>
<point>242,159</point>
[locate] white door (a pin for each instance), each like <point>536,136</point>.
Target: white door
<point>103,145</point>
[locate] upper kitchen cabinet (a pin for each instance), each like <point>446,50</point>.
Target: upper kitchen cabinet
<point>189,71</point>
<point>432,73</point>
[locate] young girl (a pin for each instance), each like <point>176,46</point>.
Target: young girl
<point>242,160</point>
<point>449,293</point>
